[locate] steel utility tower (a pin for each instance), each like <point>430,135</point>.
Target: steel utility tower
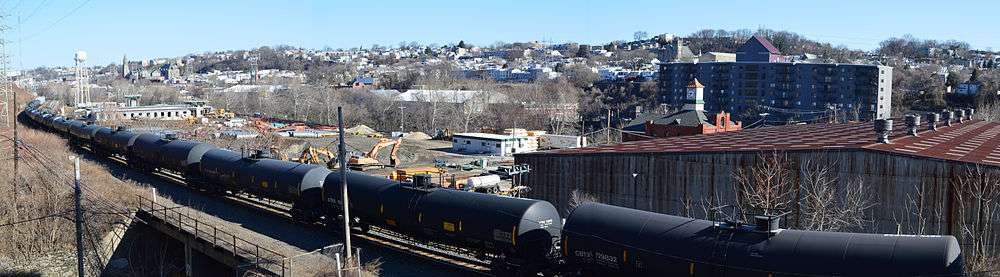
<point>254,64</point>
<point>82,83</point>
<point>6,88</point>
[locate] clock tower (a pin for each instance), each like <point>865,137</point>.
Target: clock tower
<point>695,96</point>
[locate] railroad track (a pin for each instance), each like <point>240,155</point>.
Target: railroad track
<point>374,236</point>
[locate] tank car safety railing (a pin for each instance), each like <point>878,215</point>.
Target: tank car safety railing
<point>259,258</point>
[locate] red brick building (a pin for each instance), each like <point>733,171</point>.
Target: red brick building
<point>691,121</point>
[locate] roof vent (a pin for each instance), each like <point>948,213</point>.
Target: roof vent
<point>883,128</point>
<point>933,118</point>
<point>961,115</point>
<point>170,136</point>
<point>912,123</point>
<point>119,128</point>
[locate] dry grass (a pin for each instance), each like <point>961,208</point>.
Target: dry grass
<point>42,188</point>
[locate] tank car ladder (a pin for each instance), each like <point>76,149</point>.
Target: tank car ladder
<point>721,248</point>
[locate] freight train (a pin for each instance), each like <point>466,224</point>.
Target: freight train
<point>523,236</point>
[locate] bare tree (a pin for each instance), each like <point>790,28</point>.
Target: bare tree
<point>766,185</point>
<point>640,35</point>
<point>988,111</point>
<point>829,204</point>
<point>978,205</point>
<point>577,198</point>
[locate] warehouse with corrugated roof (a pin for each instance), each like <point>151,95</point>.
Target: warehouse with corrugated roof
<point>674,175</point>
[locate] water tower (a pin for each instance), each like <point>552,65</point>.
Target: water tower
<point>82,83</point>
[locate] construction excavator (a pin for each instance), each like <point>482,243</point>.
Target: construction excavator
<point>370,159</point>
<point>318,156</point>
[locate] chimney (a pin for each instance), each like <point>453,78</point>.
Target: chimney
<point>912,123</point>
<point>961,115</point>
<point>883,128</point>
<point>948,116</point>
<point>933,118</point>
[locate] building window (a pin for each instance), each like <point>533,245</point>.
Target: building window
<point>498,145</point>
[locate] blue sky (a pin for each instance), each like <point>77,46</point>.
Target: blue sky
<point>51,30</point>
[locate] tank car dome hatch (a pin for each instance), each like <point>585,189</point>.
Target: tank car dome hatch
<point>262,153</point>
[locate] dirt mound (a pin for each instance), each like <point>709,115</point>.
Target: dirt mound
<point>361,130</point>
<point>417,136</point>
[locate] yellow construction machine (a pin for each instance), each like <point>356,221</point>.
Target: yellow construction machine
<point>318,156</point>
<point>370,159</point>
<point>405,174</point>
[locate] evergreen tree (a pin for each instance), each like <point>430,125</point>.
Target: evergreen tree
<point>461,44</point>
<point>952,80</point>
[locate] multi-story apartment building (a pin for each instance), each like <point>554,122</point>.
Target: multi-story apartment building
<point>761,82</point>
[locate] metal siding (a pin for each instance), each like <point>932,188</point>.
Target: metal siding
<point>674,177</point>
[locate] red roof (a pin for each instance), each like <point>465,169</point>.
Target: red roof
<point>974,141</point>
<point>766,43</point>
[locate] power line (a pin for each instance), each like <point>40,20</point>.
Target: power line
<point>33,219</point>
<point>54,23</point>
<point>35,11</point>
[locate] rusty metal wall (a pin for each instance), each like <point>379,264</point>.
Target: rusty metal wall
<point>686,183</point>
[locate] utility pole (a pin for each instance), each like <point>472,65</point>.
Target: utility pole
<point>78,218</point>
<point>17,142</point>
<point>608,133</point>
<point>343,182</point>
<point>401,118</point>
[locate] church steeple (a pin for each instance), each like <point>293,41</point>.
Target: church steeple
<point>125,70</point>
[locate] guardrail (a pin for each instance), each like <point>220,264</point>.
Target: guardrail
<point>259,258</point>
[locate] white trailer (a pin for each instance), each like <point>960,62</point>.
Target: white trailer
<point>561,141</point>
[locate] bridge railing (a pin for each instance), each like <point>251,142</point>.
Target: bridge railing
<point>259,259</point>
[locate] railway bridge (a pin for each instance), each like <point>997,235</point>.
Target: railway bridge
<point>209,250</point>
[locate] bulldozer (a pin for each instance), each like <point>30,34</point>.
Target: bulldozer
<point>370,159</point>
